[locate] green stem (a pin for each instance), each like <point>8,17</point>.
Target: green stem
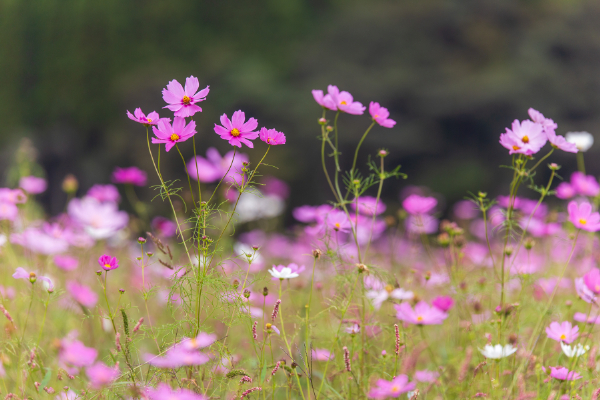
<point>287,345</point>
<point>362,139</point>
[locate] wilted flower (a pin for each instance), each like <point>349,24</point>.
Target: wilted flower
<point>183,101</point>
<point>497,351</point>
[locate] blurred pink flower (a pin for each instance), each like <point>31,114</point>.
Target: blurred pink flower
<point>381,115</point>
<point>214,167</point>
<point>344,101</point>
<point>394,388</point>
<point>108,263</point>
<point>33,184</point>
<point>104,193</point>
<point>183,101</point>
<point>465,209</point>
<point>426,376</point>
<point>538,117</point>
<point>563,374</point>
<point>140,117</point>
<point>582,216</point>
<point>82,294</point>
<point>275,187</point>
<point>100,220</point>
<point>421,224</point>
<point>581,317</point>
<point>564,332</point>
<point>101,374</point>
<point>201,341</point>
<point>272,136</point>
<point>8,211</point>
<point>164,227</point>
<point>14,196</point>
<point>66,263</point>
<point>324,100</point>
<point>565,191</point>
<point>443,303</point>
<point>40,241</point>
<point>236,131</point>
<point>423,314</point>
<point>526,137</point>
<point>585,185</point>
<point>164,392</point>
<point>415,204</point>
<point>171,135</point>
<point>592,280</point>
<point>75,353</point>
<point>130,175</point>
<point>177,357</point>
<point>583,292</point>
<point>368,205</point>
<point>559,142</point>
<point>338,221</point>
<point>21,273</point>
<point>322,355</point>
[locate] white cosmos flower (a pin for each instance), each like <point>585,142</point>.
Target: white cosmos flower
<point>379,296</point>
<point>285,273</point>
<point>576,350</point>
<point>497,351</point>
<point>583,140</point>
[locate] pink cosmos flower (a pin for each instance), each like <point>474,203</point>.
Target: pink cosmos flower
<point>338,221</point>
<point>368,205</point>
<point>105,193</point>
<point>421,224</point>
<point>539,118</point>
<point>75,353</point>
<point>324,100</point>
<point>214,167</point>
<point>108,263</point>
<point>581,317</point>
<point>592,280</point>
<point>585,185</point>
<point>563,374</point>
<point>565,191</point>
<point>177,357</point>
<point>465,209</point>
<point>272,136</point>
<point>344,101</point>
<point>201,341</point>
<point>423,314</point>
<point>183,101</point>
<point>443,303</point>
<point>394,388</point>
<point>380,115</point>
<point>33,184</point>
<point>82,294</point>
<point>21,273</point>
<point>583,292</point>
<point>272,186</point>
<point>322,355</point>
<point>171,135</point>
<point>415,204</point>
<point>164,227</point>
<point>236,131</point>
<point>526,137</point>
<point>426,376</point>
<point>66,263</point>
<point>100,220</point>
<point>14,196</point>
<point>582,216</point>
<point>563,332</point>
<point>130,175</point>
<point>101,374</point>
<point>559,142</point>
<point>8,211</point>
<point>164,392</point>
<point>140,117</point>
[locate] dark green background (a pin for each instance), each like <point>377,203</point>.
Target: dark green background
<point>452,73</point>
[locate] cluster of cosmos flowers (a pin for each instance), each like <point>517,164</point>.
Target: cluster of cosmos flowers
<point>358,298</point>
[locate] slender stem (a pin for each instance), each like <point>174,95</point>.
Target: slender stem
<point>307,323</point>
<point>381,179</point>
<point>580,163</point>
<point>287,345</point>
<point>43,320</point>
<point>362,139</point>
<point>27,316</point>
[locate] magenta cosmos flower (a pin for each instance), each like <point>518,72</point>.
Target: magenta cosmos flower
<point>101,374</point>
<point>394,388</point>
<point>236,131</point>
<point>443,303</point>
<point>592,280</point>
<point>546,123</point>
<point>108,263</point>
<point>183,101</point>
<point>171,135</point>
<point>33,184</point>
<point>559,142</point>
<point>104,193</point>
<point>338,221</point>
<point>563,332</point>
<point>66,263</point>
<point>582,216</point>
<point>140,117</point>
<point>324,100</point>
<point>368,205</point>
<point>164,392</point>
<point>423,314</point>
<point>565,191</point>
<point>415,204</point>
<point>563,374</point>
<point>82,294</point>
<point>585,185</point>
<point>130,175</point>
<point>526,137</point>
<point>344,101</point>
<point>214,166</point>
<point>380,115</point>
<point>75,353</point>
<point>272,136</point>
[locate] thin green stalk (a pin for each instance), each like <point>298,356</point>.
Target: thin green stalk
<point>307,323</point>
<point>43,320</point>
<point>362,139</point>
<point>27,316</point>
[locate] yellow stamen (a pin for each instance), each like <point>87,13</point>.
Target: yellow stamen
<point>395,389</point>
<point>375,116</point>
<point>107,266</point>
<point>343,102</point>
<point>563,337</point>
<point>235,132</point>
<point>389,288</point>
<point>186,100</point>
<point>525,139</point>
<point>149,120</point>
<point>582,221</point>
<point>419,318</point>
<point>515,147</point>
<point>174,137</point>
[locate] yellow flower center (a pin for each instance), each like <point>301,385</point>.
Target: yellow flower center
<point>149,119</point>
<point>582,221</point>
<point>235,132</point>
<point>186,100</point>
<point>343,102</point>
<point>107,266</point>
<point>337,225</point>
<point>515,147</point>
<point>563,337</point>
<point>395,389</point>
<point>597,288</point>
<point>419,318</point>
<point>174,137</point>
<point>389,288</point>
<point>376,116</point>
<point>525,139</point>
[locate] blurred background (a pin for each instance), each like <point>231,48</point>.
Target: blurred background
<point>453,74</point>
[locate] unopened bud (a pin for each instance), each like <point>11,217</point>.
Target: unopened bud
<point>317,253</point>
<point>329,128</point>
<point>141,240</point>
<point>32,277</point>
<point>121,291</point>
<point>443,239</point>
<point>99,272</point>
<point>322,121</point>
<point>70,184</point>
<point>528,244</point>
<point>554,166</point>
<point>362,268</point>
<point>383,153</point>
<point>246,293</point>
<point>508,252</point>
<point>149,254</point>
<point>265,291</point>
<point>236,283</point>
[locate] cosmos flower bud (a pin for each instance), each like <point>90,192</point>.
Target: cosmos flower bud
<point>246,293</point>
<point>508,252</point>
<point>362,268</point>
<point>322,121</point>
<point>317,253</point>
<point>149,254</point>
<point>235,283</point>
<point>70,184</point>
<point>99,272</point>
<point>554,166</point>
<point>443,239</point>
<point>139,258</point>
<point>265,291</point>
<point>329,128</point>
<point>121,291</point>
<point>32,277</point>
<point>482,195</point>
<point>383,153</point>
<point>141,240</point>
<point>528,244</point>
<point>254,248</point>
